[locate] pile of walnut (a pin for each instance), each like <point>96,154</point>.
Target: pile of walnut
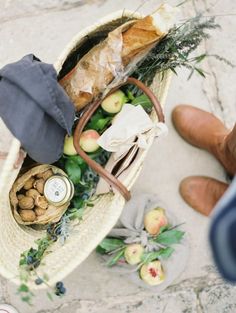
<point>31,201</point>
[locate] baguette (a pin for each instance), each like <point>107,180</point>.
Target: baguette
<point>108,59</point>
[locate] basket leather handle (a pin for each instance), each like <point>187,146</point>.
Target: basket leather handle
<point>108,177</point>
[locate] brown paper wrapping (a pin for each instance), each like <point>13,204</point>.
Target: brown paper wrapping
<point>108,60</point>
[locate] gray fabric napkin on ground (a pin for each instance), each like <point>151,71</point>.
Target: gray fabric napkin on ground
<point>35,108</point>
<point>130,227</point>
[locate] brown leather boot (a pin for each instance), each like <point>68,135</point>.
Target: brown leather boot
<point>205,131</point>
<point>202,193</point>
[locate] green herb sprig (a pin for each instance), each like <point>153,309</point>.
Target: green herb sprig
<point>175,50</point>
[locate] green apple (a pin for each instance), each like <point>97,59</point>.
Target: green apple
<point>152,273</point>
<point>69,148</point>
<point>154,220</point>
<point>88,140</point>
<point>133,253</point>
<point>113,103</point>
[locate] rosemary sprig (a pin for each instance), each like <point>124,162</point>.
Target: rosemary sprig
<point>174,50</point>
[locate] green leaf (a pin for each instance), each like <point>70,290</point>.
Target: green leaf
<point>130,95</point>
<point>77,202</point>
<point>170,237</point>
<point>200,71</point>
<point>100,250</point>
<point>164,228</point>
<point>76,158</point>
<point>164,253</point>
<point>144,101</point>
<point>50,297</point>
<point>73,170</point>
<point>110,244</point>
<point>116,258</point>
<point>174,71</point>
<point>200,58</point>
<point>99,121</point>
<point>26,299</point>
<point>23,288</point>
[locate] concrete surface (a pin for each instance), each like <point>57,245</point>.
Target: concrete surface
<point>44,28</point>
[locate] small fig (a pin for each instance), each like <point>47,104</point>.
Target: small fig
<point>88,140</point>
<point>26,203</point>
<point>29,183</point>
<point>69,148</point>
<point>113,103</point>
<point>39,185</point>
<point>133,253</point>
<point>27,215</point>
<point>33,193</point>
<point>154,220</point>
<point>152,273</point>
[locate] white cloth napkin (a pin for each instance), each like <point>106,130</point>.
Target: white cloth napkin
<point>129,128</point>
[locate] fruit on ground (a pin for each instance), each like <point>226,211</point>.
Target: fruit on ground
<point>152,273</point>
<point>113,103</point>
<point>69,148</point>
<point>88,140</point>
<point>133,253</point>
<point>154,220</point>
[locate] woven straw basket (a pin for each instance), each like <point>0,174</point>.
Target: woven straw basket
<point>98,220</point>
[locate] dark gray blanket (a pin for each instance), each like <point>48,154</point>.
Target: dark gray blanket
<point>35,108</point>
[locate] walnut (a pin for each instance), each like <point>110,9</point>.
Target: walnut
<point>20,196</point>
<point>26,203</point>
<point>39,185</point>
<point>41,202</point>
<point>29,183</point>
<point>33,193</point>
<point>45,175</point>
<point>39,211</point>
<point>27,215</point>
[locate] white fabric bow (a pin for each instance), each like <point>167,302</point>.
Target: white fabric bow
<point>129,128</point>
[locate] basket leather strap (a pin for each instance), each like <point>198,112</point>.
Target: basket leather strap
<point>111,179</point>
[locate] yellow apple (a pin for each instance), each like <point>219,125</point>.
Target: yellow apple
<point>88,140</point>
<point>113,103</point>
<point>69,148</point>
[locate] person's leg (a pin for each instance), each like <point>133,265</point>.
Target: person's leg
<point>205,131</point>
<point>202,193</point>
<point>230,146</point>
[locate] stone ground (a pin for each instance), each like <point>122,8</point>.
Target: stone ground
<point>44,28</point>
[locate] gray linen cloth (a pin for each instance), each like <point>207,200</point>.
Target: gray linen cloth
<point>35,108</point>
<point>130,227</point>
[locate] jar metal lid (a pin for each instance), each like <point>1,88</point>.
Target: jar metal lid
<point>58,190</point>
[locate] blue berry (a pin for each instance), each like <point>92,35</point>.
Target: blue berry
<point>58,231</point>
<point>85,196</point>
<point>29,259</point>
<point>38,281</point>
<point>62,290</point>
<point>50,230</point>
<point>59,284</point>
